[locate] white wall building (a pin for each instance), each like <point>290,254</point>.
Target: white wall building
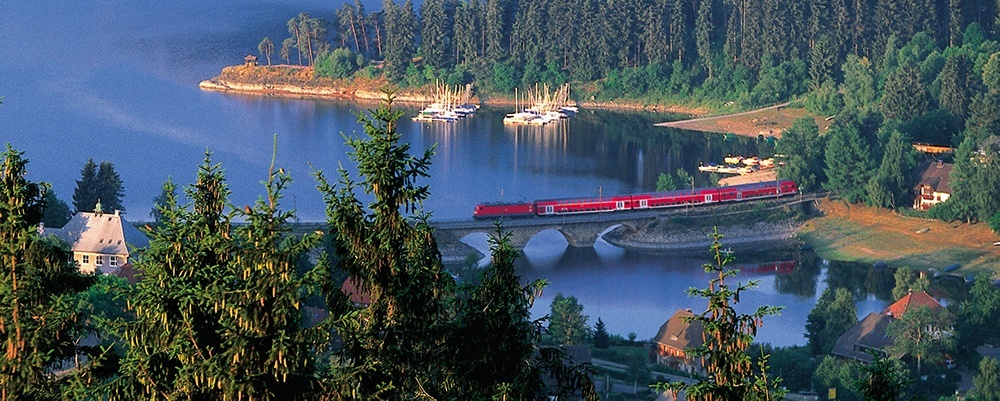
<point>100,241</point>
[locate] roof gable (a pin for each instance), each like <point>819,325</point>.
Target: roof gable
<point>934,174</point>
<point>868,334</point>
<point>101,233</point>
<point>679,333</point>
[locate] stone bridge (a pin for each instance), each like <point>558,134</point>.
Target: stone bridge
<point>580,231</point>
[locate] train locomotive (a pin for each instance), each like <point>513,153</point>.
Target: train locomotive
<point>651,200</point>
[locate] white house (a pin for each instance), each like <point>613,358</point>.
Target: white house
<point>100,241</point>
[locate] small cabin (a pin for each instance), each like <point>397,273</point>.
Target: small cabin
<point>250,60</point>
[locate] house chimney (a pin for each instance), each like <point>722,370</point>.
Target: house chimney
<point>940,163</point>
<point>116,212</point>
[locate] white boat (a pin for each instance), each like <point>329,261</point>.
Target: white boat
<point>523,118</point>
<point>767,163</point>
<point>751,161</point>
<point>708,168</point>
<point>733,159</point>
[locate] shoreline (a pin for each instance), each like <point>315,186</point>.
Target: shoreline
<point>297,83</point>
<point>739,237</point>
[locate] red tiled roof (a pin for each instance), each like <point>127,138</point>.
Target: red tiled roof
<point>920,298</point>
<point>358,296</point>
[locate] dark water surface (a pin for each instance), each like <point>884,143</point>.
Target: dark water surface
<point>118,81</point>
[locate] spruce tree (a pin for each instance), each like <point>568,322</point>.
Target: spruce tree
<point>267,353</point>
<point>601,337</point>
<point>110,191</point>
<point>848,162</point>
<point>394,348</point>
<point>728,335</point>
<point>40,320</point>
<point>57,212</point>
<point>86,193</point>
<point>495,337</point>
<point>177,326</point>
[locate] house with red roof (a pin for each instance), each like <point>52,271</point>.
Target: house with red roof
<point>869,335</point>
<point>356,292</point>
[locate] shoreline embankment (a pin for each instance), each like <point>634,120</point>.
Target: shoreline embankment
<point>298,83</point>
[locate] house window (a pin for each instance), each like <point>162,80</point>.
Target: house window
<point>100,260</point>
<point>113,261</point>
<point>86,259</point>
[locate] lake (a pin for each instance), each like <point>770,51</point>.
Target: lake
<point>118,81</point>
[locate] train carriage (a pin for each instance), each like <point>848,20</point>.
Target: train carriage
<point>512,209</point>
<point>652,200</point>
<point>587,205</point>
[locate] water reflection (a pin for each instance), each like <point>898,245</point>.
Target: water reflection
<point>545,249</point>
<point>638,292</point>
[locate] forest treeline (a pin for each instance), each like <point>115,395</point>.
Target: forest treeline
<point>886,72</point>
<point>719,50</point>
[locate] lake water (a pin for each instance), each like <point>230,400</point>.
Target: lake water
<point>118,81</point>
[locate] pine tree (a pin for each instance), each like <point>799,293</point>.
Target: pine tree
<point>703,35</point>
<point>434,38</point>
<point>267,352</point>
<point>399,35</point>
<point>728,335</point>
<point>177,326</point>
<point>495,335</point>
<point>110,191</point>
<point>848,162</point>
<point>57,212</point>
<point>86,193</point>
<point>958,85</point>
<point>394,348</point>
<point>601,338</point>
<point>893,176</point>
<point>984,116</point>
<point>39,317</point>
<point>905,96</point>
<point>963,181</point>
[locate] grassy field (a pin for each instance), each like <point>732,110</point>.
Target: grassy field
<point>859,233</point>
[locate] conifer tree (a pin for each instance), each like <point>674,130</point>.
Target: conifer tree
<point>267,353</point>
<point>728,335</point>
<point>394,348</point>
<point>86,193</point>
<point>848,161</point>
<point>110,191</point>
<point>39,316</point>
<point>177,327</point>
<point>601,337</point>
<point>893,176</point>
<point>496,338</point>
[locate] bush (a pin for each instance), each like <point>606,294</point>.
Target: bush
<point>504,77</point>
<point>338,64</point>
<point>994,222</point>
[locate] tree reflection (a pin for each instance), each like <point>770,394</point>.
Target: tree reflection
<point>861,279</point>
<point>802,280</point>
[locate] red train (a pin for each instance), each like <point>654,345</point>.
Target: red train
<point>549,207</point>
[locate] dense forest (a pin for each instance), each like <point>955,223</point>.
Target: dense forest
<point>887,72</point>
